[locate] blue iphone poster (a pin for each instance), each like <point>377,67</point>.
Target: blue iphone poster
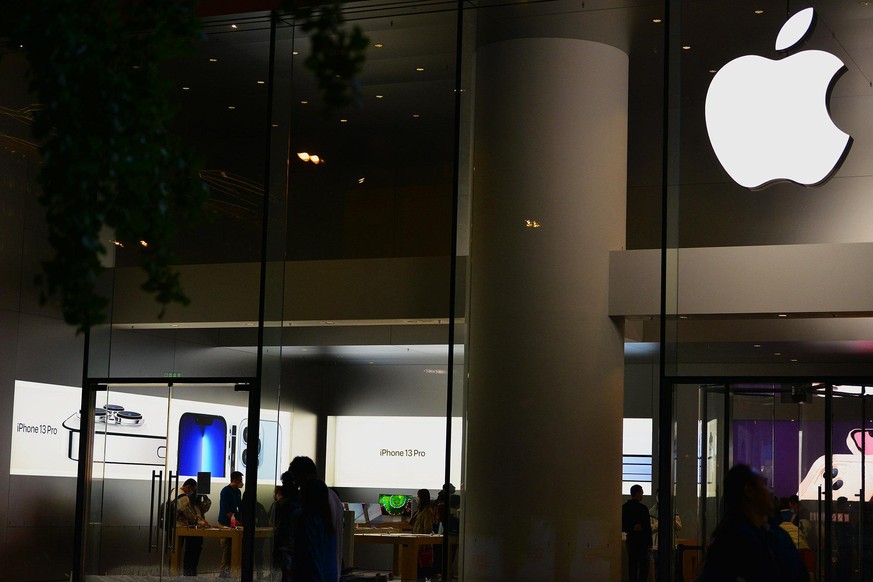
<point>202,442</point>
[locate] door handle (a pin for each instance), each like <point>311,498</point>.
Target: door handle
<point>154,509</point>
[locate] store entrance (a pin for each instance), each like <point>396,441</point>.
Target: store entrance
<point>813,441</point>
<point>149,439</point>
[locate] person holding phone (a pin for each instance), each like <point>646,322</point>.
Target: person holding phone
<point>189,513</point>
<point>228,513</point>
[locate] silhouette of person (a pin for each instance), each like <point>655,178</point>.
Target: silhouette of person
<point>745,545</point>
<point>636,525</point>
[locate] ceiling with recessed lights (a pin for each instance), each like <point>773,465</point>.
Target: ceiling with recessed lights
<point>384,186</point>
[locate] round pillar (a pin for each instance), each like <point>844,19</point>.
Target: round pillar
<point>545,361</point>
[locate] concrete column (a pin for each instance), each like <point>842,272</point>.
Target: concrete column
<point>544,400</point>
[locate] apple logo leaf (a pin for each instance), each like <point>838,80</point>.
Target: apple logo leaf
<point>795,29</point>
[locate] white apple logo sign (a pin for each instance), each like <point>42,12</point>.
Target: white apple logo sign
<point>768,120</point>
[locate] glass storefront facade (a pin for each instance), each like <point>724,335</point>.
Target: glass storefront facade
<point>308,319</point>
<point>757,351</point>
<point>451,267</point>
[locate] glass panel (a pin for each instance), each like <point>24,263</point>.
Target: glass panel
<point>366,342</point>
<point>687,491</point>
<point>730,310</point>
<point>130,481</point>
<point>777,429</point>
<point>849,484</point>
<point>220,91</point>
<point>155,446</point>
<point>716,460</point>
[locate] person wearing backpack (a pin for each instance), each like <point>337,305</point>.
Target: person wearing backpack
<point>189,512</point>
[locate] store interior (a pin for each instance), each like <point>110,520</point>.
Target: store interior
<point>366,257</point>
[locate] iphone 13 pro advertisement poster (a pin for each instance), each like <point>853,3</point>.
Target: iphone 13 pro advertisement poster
<point>136,432</point>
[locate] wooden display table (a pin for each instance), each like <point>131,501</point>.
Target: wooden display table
<point>405,547</point>
<point>234,533</point>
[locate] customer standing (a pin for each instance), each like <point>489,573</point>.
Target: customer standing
<point>314,536</point>
<point>745,546</point>
<point>189,512</point>
<point>228,514</point>
<point>635,524</point>
<point>422,523</point>
<point>287,507</point>
<point>303,470</point>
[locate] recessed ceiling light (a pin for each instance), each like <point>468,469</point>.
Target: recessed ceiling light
<point>262,82</point>
<point>777,353</point>
<point>713,71</point>
<point>231,106</point>
<point>303,156</point>
<point>186,88</point>
<point>144,243</point>
<point>380,96</point>
<point>213,60</point>
<point>686,47</point>
<point>419,69</point>
<point>344,120</point>
<point>657,20</point>
<point>793,359</point>
<point>378,45</point>
<point>783,315</point>
<point>275,125</point>
<point>234,26</point>
<point>304,102</point>
<point>361,180</point>
<point>416,115</point>
<point>756,346</point>
<point>295,53</point>
<point>759,12</point>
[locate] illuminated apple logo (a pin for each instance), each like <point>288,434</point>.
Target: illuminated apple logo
<point>768,120</point>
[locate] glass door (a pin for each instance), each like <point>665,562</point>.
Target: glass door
<point>130,478</point>
<point>852,445</point>
<point>153,444</point>
<point>812,441</point>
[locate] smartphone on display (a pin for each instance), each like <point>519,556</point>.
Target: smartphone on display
<point>202,444</point>
<point>267,447</point>
<point>120,437</point>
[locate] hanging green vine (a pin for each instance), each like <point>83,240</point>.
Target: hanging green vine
<point>109,157</point>
<point>337,52</point>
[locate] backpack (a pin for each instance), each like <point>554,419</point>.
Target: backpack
<point>167,512</point>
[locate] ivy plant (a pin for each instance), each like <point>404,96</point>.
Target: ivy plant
<point>109,157</point>
<point>337,52</point>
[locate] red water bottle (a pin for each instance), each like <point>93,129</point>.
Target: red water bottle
<point>232,521</point>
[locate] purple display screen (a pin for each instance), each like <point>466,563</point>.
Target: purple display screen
<point>774,447</point>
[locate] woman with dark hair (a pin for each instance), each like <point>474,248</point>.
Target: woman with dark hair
<point>285,509</point>
<point>315,558</point>
<point>422,523</point>
<point>745,546</point>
